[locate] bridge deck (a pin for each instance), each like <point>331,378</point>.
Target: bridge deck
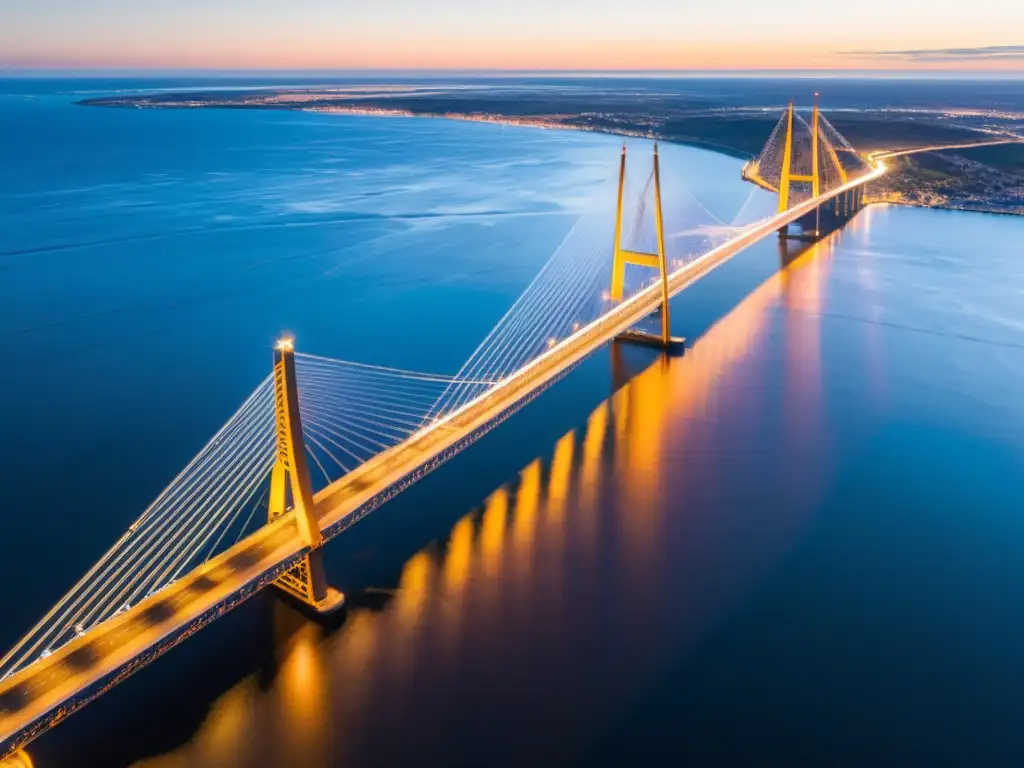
<point>45,692</point>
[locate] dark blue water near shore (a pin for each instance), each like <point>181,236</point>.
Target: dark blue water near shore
<point>796,545</point>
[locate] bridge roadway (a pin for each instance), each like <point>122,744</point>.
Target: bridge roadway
<point>885,155</point>
<point>42,694</point>
<point>750,172</point>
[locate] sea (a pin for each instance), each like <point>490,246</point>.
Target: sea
<point>799,543</point>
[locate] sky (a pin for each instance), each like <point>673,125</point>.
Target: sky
<point>513,34</point>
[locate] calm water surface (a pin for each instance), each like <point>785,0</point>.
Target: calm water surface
<point>798,544</point>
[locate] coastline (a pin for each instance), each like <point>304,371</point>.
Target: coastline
<point>549,123</point>
<point>957,209</point>
<point>594,122</point>
<point>474,117</point>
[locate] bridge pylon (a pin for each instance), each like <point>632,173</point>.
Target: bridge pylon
<point>819,145</point>
<point>788,176</point>
<point>290,481</point>
<point>622,257</point>
<point>787,160</point>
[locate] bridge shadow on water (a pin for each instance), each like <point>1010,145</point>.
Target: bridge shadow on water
<point>555,573</point>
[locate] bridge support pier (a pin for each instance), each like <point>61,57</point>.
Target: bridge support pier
<point>659,261</point>
<point>826,218</point>
<point>804,236</point>
<point>305,581</point>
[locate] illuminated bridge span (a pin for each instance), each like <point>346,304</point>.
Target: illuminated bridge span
<point>801,160</point>
<point>320,443</point>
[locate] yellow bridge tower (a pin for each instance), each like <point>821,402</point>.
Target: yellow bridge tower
<point>787,160</point>
<point>658,261</point>
<point>818,141</point>
<point>305,581</point>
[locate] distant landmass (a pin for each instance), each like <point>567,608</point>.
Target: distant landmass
<point>732,115</point>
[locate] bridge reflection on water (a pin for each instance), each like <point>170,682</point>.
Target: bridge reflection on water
<point>543,614</point>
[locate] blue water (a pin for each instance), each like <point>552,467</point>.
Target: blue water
<point>151,258</point>
<point>797,544</point>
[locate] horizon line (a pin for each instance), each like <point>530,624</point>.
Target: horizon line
<point>87,71</point>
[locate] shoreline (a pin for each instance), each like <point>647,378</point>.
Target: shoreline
<point>554,121</point>
<point>551,123</point>
<point>473,117</point>
<point>542,123</point>
<point>993,212</point>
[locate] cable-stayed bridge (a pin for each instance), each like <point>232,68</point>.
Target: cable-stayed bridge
<point>802,159</point>
<point>321,442</point>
